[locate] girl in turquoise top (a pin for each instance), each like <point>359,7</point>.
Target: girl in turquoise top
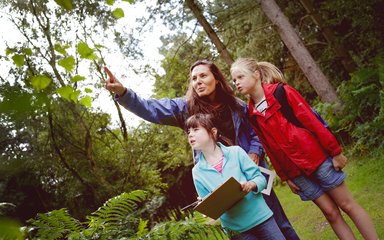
<point>251,216</point>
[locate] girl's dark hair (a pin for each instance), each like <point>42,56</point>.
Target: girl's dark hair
<point>224,92</point>
<point>205,121</point>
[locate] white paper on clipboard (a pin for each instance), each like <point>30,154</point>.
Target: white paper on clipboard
<point>270,177</point>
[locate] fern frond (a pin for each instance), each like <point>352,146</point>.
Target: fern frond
<point>142,229</point>
<point>116,209</point>
<point>57,224</point>
<point>192,227</point>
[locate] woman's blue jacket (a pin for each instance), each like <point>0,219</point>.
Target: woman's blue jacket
<point>174,112</point>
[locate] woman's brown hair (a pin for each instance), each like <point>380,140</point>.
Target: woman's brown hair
<point>224,92</point>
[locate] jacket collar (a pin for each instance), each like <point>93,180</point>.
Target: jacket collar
<point>204,164</point>
<point>273,104</point>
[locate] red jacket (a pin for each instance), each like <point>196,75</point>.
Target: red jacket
<point>293,150</point>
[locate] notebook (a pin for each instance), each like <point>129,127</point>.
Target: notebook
<point>270,176</point>
<point>228,194</point>
<point>221,199</point>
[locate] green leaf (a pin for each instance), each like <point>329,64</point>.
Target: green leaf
<point>40,82</point>
<point>142,229</point>
<point>10,229</point>
<point>57,224</point>
<point>129,1</point>
<point>67,63</point>
<point>66,4</point>
<point>75,95</point>
<point>61,49</point>
<point>118,13</point>
<point>86,101</point>
<point>110,2</point>
<point>88,90</point>
<point>65,92</point>
<point>85,51</point>
<point>18,59</point>
<point>27,51</point>
<point>9,51</point>
<point>77,78</point>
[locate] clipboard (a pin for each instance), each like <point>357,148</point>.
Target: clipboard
<point>228,194</point>
<point>221,199</point>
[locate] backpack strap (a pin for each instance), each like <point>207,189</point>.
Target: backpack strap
<point>286,109</point>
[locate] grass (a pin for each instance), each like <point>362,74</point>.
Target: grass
<point>365,176</point>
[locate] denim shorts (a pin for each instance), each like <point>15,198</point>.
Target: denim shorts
<point>322,180</point>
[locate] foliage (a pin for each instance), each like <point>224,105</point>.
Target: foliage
<point>10,229</point>
<point>114,209</point>
<point>56,224</point>
<point>363,96</point>
<point>195,227</point>
<point>102,224</point>
<point>119,218</point>
<point>56,150</point>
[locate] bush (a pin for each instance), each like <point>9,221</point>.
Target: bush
<point>363,115</point>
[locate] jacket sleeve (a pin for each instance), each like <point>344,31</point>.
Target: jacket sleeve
<point>255,144</point>
<point>251,170</point>
<point>164,111</point>
<point>307,118</point>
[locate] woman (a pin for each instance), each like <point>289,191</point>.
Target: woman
<point>208,92</point>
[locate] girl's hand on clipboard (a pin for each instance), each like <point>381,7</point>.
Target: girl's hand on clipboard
<point>248,186</point>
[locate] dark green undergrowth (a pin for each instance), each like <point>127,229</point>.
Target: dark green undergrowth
<point>364,179</point>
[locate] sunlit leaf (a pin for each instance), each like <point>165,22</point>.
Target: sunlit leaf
<point>129,1</point>
<point>66,4</point>
<point>18,59</point>
<point>86,101</point>
<point>65,92</point>
<point>75,95</point>
<point>142,229</point>
<point>88,90</point>
<point>61,49</point>
<point>110,2</point>
<point>85,51</point>
<point>67,63</point>
<point>77,78</point>
<point>118,13</point>
<point>27,51</point>
<point>9,51</point>
<point>40,82</point>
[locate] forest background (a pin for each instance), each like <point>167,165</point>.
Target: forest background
<point>67,170</point>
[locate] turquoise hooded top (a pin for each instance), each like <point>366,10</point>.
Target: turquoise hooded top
<point>252,209</point>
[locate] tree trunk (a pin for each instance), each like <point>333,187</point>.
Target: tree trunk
<point>210,32</point>
<point>346,59</point>
<point>303,58</point>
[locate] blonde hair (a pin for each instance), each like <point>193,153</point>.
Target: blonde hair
<point>269,73</point>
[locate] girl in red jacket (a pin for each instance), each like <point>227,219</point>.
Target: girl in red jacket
<point>308,156</point>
